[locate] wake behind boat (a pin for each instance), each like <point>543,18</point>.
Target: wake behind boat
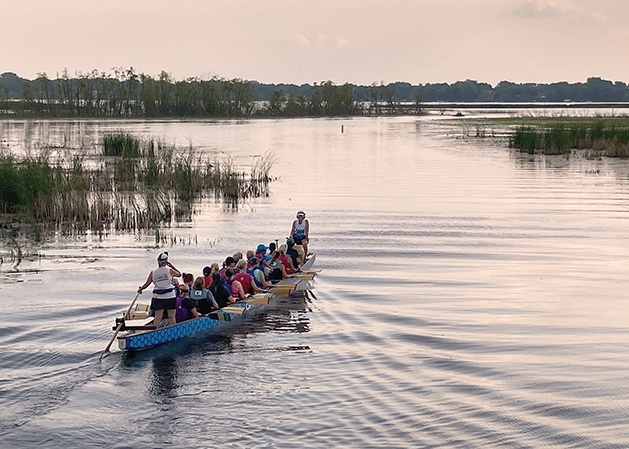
<point>138,329</point>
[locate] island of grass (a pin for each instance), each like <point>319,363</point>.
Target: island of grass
<point>594,136</point>
<point>134,184</point>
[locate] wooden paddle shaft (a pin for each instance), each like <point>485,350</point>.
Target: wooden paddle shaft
<point>137,295</point>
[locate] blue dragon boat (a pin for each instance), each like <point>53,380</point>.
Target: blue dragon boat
<point>138,331</point>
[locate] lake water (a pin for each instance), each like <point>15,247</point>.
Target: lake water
<point>470,296</point>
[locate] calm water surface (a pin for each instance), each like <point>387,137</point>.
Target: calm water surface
<point>470,297</point>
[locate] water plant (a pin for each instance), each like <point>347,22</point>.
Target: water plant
<point>121,143</point>
<point>136,184</point>
<point>604,136</point>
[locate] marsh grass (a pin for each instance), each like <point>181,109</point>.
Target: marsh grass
<point>121,143</point>
<point>136,184</point>
<point>608,138</point>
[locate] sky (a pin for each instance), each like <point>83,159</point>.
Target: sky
<point>306,41</point>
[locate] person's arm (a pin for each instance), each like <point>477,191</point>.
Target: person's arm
<point>307,230</point>
<point>240,292</point>
<point>211,300</point>
<point>149,279</point>
<point>173,271</point>
<point>255,287</point>
<point>292,229</point>
<point>230,299</point>
<point>262,280</point>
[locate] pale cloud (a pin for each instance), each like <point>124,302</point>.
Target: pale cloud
<point>546,8</point>
<point>341,43</point>
<point>301,41</point>
<point>555,8</point>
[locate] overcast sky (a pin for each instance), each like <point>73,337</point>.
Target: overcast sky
<point>303,41</point>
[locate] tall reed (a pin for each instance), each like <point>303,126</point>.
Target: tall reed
<point>560,138</point>
<point>138,184</point>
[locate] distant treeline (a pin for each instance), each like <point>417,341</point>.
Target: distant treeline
<point>125,93</point>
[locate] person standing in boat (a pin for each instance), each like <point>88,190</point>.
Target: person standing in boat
<point>164,295</point>
<point>300,230</point>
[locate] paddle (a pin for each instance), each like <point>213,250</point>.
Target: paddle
<point>120,325</point>
<point>304,276</point>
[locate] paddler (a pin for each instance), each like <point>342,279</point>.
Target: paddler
<point>164,295</point>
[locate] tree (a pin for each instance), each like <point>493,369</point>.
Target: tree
<point>276,102</point>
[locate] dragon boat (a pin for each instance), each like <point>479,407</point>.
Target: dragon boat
<point>137,330</point>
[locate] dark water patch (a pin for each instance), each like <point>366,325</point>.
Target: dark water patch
<point>16,361</point>
<point>435,342</point>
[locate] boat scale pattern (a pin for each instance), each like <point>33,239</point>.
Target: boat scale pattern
<point>172,333</point>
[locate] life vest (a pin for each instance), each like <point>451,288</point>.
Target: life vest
<point>287,264</point>
<point>245,281</point>
<point>197,295</point>
<point>163,281</point>
<point>182,313</point>
<point>254,275</point>
<point>300,229</point>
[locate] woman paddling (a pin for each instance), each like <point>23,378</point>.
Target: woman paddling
<point>164,295</point>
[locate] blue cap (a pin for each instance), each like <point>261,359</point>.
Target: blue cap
<point>261,247</point>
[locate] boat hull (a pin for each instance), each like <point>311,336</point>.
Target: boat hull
<point>137,340</point>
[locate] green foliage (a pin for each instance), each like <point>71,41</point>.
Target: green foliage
<point>325,99</point>
<point>561,138</point>
<point>125,93</point>
<point>141,183</point>
<point>122,144</point>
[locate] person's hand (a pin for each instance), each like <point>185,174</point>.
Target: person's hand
<point>140,289</point>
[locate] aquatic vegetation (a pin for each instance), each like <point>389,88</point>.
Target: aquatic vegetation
<point>610,138</point>
<point>136,184</point>
<point>121,144</point>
